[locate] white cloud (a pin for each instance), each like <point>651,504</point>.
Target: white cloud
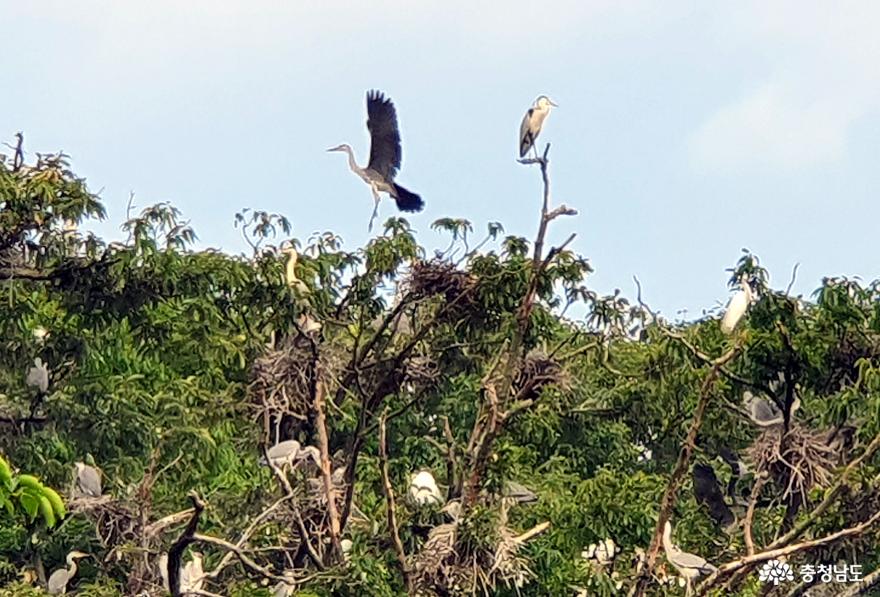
<point>822,79</point>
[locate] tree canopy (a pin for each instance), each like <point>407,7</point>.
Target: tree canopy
<point>175,371</point>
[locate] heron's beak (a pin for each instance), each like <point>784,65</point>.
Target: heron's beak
<point>552,103</point>
<point>337,148</point>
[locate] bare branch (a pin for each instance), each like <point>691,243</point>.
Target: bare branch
<point>389,502</point>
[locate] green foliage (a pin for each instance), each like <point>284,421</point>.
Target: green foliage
<point>173,368</point>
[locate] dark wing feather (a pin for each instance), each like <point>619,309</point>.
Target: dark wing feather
<point>384,135</point>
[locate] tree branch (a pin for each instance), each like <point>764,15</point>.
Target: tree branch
<point>389,502</point>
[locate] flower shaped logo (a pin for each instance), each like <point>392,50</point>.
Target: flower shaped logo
<point>775,571</point>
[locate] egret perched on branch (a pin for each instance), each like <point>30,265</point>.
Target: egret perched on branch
<point>738,305</point>
<point>385,155</point>
<point>38,376</point>
<point>690,566</point>
<point>57,584</point>
<point>532,123</point>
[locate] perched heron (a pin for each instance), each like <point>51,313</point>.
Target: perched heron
<point>299,287</point>
<point>737,307</point>
<point>38,376</point>
<point>385,155</point>
<point>283,453</point>
<point>765,413</point>
<point>57,584</point>
<point>88,481</point>
<point>689,566</point>
<point>518,493</point>
<point>707,490</point>
<point>423,490</point>
<point>532,123</point>
<point>286,587</point>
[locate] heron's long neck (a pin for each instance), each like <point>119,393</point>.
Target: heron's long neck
<point>351,163</point>
<point>71,571</point>
<point>291,264</point>
<point>667,540</point>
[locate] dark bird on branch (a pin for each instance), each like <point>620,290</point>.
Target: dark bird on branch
<point>385,155</point>
<point>707,490</point>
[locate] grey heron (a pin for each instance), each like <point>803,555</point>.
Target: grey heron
<point>423,490</point>
<point>298,286</point>
<point>765,413</point>
<point>707,490</point>
<point>57,584</point>
<point>283,453</point>
<point>518,493</point>
<point>532,123</point>
<point>689,566</point>
<point>38,376</point>
<point>88,481</point>
<point>385,155</point>
<point>738,305</point>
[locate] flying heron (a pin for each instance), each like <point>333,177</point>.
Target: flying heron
<point>707,490</point>
<point>423,490</point>
<point>532,123</point>
<point>57,584</point>
<point>737,307</point>
<point>385,155</point>
<point>689,565</point>
<point>88,481</point>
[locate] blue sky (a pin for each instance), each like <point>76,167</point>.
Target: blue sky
<point>686,131</point>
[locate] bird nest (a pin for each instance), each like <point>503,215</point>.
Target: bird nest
<point>282,379</point>
<point>117,522</point>
<point>537,372</point>
<point>446,566</point>
<point>798,461</point>
<point>440,278</point>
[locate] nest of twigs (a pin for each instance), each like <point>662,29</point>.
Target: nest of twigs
<point>798,461</point>
<point>537,372</point>
<point>440,278</point>
<point>116,521</point>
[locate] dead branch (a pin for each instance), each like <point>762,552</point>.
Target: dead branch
<point>326,467</point>
<point>750,512</point>
<point>389,502</point>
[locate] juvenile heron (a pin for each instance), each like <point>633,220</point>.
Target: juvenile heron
<point>689,566</point>
<point>532,123</point>
<point>283,453</point>
<point>88,481</point>
<point>57,584</point>
<point>707,490</point>
<point>385,155</point>
<point>423,490</point>
<point>737,307</point>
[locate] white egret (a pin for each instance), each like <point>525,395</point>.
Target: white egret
<point>738,305</point>
<point>689,566</point>
<point>38,376</point>
<point>57,584</point>
<point>532,123</point>
<point>191,576</point>
<point>423,490</point>
<point>298,286</point>
<point>385,155</point>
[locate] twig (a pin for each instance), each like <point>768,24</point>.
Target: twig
<point>535,530</point>
<point>793,278</point>
<point>326,468</point>
<point>750,512</point>
<point>245,560</point>
<point>389,501</point>
<point>865,585</point>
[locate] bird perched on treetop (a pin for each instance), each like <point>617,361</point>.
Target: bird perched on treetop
<point>738,305</point>
<point>532,123</point>
<point>385,155</point>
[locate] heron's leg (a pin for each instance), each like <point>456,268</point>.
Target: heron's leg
<point>375,206</point>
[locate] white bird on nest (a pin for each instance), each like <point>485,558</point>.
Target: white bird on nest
<point>423,490</point>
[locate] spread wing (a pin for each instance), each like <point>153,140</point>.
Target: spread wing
<point>384,136</point>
